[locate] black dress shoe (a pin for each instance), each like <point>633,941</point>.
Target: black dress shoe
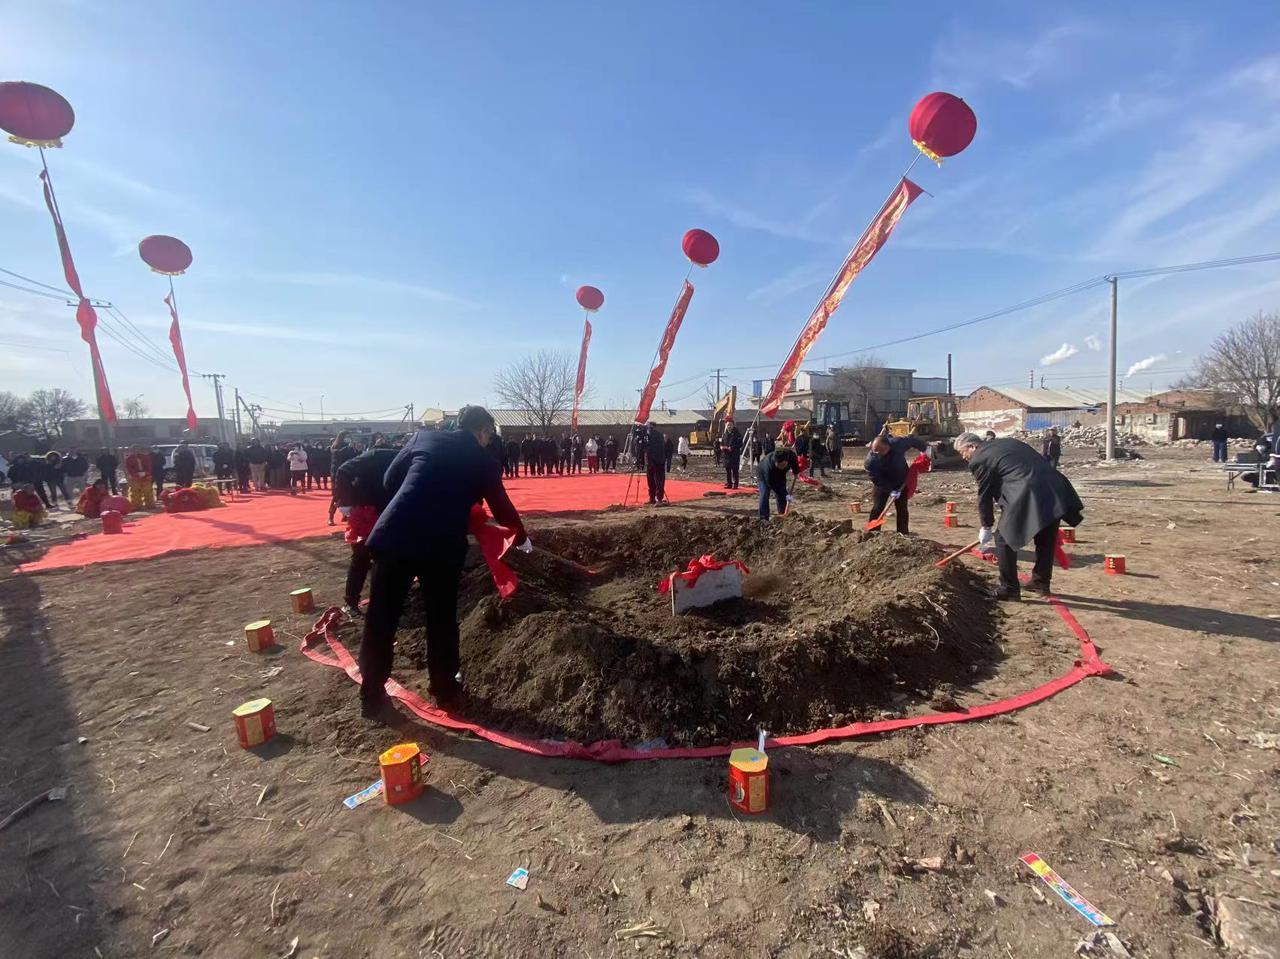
<point>1003,593</point>
<point>1040,586</point>
<point>379,708</point>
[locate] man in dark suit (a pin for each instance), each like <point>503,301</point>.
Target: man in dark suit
<point>1034,498</point>
<point>431,486</point>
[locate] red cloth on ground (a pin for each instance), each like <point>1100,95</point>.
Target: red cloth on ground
<point>185,500</point>
<point>696,568</point>
<point>360,524</point>
<point>279,518</point>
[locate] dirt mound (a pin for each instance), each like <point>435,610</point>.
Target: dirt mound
<point>832,629</point>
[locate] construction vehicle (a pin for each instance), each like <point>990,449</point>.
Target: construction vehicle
<point>935,420</point>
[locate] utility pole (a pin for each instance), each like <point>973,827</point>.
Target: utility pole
<point>217,392</point>
<point>322,407</point>
<point>1031,381</point>
<point>717,385</point>
<point>239,431</point>
<point>948,374</point>
<point>1111,375</point>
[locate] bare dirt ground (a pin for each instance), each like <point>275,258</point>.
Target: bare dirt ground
<point>174,841</point>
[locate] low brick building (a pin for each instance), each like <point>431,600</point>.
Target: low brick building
<point>1011,409</point>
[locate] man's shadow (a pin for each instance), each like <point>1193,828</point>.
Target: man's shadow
<point>1190,618</point>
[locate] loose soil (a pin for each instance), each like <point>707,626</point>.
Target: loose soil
<point>833,629</point>
<point>174,841</point>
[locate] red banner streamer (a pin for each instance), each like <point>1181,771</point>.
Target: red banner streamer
<point>664,351</point>
<point>86,316</point>
<point>582,371</point>
<point>175,337</point>
<point>872,240</point>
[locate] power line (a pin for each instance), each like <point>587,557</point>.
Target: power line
<point>164,355</point>
<point>49,296</point>
<point>1050,297</point>
<point>32,346</point>
<point>26,279</point>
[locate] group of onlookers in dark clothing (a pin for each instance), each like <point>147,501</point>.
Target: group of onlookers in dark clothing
<point>52,474</point>
<point>544,455</point>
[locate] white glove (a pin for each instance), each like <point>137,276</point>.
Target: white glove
<point>986,539</point>
<point>345,511</point>
<point>526,546</point>
<point>895,494</point>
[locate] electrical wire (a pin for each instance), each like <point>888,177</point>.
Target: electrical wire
<point>50,296</point>
<point>26,279</point>
<point>32,346</point>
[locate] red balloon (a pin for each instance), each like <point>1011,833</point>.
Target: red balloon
<point>165,254</point>
<point>700,247</point>
<point>942,125</point>
<point>34,115</point>
<point>589,298</point>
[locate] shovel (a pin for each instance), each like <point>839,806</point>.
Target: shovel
<point>879,520</point>
<point>960,552</point>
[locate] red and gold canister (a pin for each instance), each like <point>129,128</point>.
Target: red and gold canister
<point>951,506</point>
<point>303,601</point>
<point>1068,534</point>
<point>401,773</point>
<point>1114,564</point>
<point>255,722</point>
<point>259,636</point>
<point>749,780</point>
<point>950,519</point>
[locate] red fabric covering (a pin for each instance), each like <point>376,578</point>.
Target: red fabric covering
<point>360,524</point>
<point>696,568</point>
<point>613,750</point>
<point>921,464</point>
<point>494,542</point>
<point>279,518</point>
<point>185,500</point>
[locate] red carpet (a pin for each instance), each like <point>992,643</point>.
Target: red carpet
<point>278,518</point>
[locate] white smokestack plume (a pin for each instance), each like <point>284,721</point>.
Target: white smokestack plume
<point>1064,352</point>
<point>1149,362</point>
<point>1093,343</point>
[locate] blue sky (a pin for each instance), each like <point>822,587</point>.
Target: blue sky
<point>389,201</point>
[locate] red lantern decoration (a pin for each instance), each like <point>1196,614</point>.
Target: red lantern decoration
<point>33,115</point>
<point>942,125</point>
<point>700,247</point>
<point>165,254</point>
<point>589,298</point>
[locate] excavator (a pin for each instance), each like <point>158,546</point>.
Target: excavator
<point>935,420</point>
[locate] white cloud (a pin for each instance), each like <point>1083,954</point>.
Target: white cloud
<point>1093,342</point>
<point>1064,352</point>
<point>966,59</point>
<point>1146,364</point>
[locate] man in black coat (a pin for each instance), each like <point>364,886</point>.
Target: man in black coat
<point>529,454</point>
<point>654,448</point>
<point>157,471</point>
<point>610,454</point>
<point>422,534</point>
<point>359,492</point>
<point>107,465</point>
<point>771,477</point>
<point>184,465</point>
<point>513,459</point>
<point>257,457</point>
<point>1034,498</point>
<point>731,454</point>
<point>1219,437</point>
<point>886,466</point>
<point>1051,448</point>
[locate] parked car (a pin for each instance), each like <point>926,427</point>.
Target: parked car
<point>203,453</point>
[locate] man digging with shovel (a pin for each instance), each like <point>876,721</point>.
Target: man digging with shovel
<point>1034,499</point>
<point>886,467</point>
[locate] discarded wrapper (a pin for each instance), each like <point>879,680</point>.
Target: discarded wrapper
<point>1063,888</point>
<point>519,879</point>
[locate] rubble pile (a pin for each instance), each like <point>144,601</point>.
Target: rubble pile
<point>1086,437</point>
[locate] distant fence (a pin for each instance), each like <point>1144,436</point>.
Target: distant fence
<point>1062,419</point>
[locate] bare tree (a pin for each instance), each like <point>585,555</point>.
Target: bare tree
<point>540,384</point>
<point>46,410</point>
<point>859,381</point>
<point>135,408</point>
<point>1245,361</point>
<point>11,411</point>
